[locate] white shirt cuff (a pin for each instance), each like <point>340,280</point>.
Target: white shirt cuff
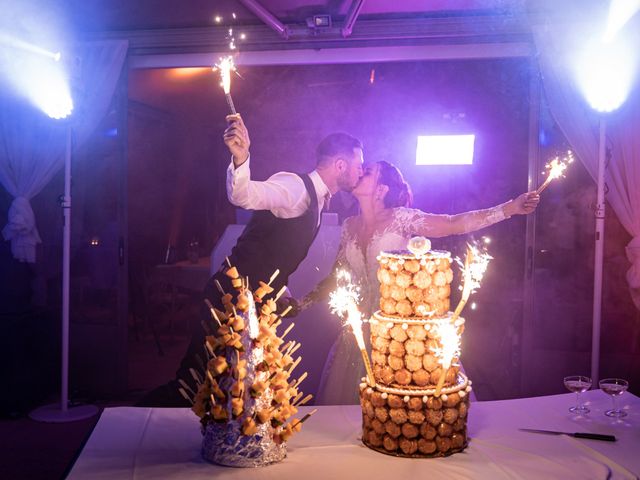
<point>238,173</point>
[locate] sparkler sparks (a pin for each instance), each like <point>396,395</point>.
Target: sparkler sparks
<point>473,270</point>
<point>345,295</point>
<point>556,167</point>
<point>447,332</point>
<point>449,338</point>
<point>344,303</point>
<point>225,66</point>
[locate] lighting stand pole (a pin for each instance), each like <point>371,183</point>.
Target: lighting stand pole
<point>597,270</point>
<point>61,413</point>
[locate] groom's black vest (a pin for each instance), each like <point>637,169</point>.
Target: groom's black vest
<point>269,243</point>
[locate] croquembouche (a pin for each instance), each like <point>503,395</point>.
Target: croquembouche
<point>419,404</point>
<point>247,397</point>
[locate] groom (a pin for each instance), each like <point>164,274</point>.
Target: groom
<point>286,217</point>
<point>286,207</point>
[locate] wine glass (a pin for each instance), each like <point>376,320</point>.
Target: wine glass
<point>614,387</point>
<point>578,384</point>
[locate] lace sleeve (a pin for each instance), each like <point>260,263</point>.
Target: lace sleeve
<point>417,222</point>
<point>328,284</point>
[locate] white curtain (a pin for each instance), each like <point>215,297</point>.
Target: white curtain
<point>557,50</point>
<point>32,146</point>
<point>625,182</point>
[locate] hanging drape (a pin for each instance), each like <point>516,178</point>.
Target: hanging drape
<point>32,146</point>
<point>578,122</point>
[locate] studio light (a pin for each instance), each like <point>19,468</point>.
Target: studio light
<point>605,73</point>
<point>445,150</point>
<point>36,74</point>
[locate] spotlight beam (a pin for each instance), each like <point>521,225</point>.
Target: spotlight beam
<point>13,42</point>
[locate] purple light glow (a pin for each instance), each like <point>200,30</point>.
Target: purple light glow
<point>445,149</point>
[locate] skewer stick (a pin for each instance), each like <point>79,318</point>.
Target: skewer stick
<point>273,277</point>
<point>294,349</point>
<point>286,346</point>
<point>285,311</point>
<point>280,292</point>
<point>195,376</point>
<point>213,311</point>
<point>186,386</point>
<point>210,350</point>
<point>219,287</point>
<point>296,398</point>
<point>284,334</point>
<point>228,261</point>
<point>213,399</point>
<point>299,380</point>
<point>184,394</point>
<point>305,418</point>
<point>294,365</point>
<point>304,400</point>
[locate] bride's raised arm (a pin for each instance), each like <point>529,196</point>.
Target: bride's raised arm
<point>436,225</point>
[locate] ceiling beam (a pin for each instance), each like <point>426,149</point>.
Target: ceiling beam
<point>408,32</point>
<point>267,17</point>
<point>341,55</point>
<point>352,16</point>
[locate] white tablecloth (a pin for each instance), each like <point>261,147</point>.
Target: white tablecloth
<point>152,443</point>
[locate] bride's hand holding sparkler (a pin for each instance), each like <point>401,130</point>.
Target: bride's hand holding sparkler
<point>236,138</point>
<point>523,204</point>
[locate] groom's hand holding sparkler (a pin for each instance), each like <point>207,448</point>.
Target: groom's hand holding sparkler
<point>236,138</point>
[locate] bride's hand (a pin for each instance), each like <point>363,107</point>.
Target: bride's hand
<point>524,204</point>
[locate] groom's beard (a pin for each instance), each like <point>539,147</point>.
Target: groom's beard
<point>344,183</point>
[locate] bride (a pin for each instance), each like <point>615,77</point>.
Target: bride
<point>386,222</point>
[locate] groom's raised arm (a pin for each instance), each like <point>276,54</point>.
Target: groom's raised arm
<point>283,193</point>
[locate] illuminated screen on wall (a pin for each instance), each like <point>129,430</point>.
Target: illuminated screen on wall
<point>445,150</point>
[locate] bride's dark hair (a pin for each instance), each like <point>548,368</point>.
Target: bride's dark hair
<point>399,194</point>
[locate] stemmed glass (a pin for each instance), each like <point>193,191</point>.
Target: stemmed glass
<point>614,387</point>
<point>578,384</point>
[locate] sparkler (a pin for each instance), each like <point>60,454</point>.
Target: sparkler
<point>474,268</point>
<point>344,303</point>
<point>449,337</point>
<point>556,167</point>
<point>226,66</point>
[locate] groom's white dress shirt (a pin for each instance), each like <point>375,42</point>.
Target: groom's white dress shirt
<point>284,193</point>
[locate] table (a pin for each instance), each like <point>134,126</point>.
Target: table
<point>151,443</point>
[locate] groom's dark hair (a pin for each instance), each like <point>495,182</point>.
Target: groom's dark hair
<point>336,144</point>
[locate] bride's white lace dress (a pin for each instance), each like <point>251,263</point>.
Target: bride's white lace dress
<point>344,368</point>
